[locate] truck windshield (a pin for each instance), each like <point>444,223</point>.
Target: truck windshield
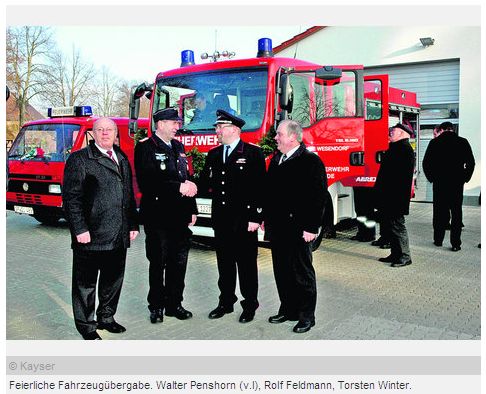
<point>241,92</point>
<point>44,142</point>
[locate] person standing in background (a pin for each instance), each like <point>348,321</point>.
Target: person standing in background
<point>449,164</point>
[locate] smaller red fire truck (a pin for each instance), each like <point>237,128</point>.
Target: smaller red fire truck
<point>38,155</point>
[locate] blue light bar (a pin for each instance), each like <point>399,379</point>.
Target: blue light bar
<point>59,112</point>
<point>265,47</point>
<point>84,110</point>
<point>187,58</point>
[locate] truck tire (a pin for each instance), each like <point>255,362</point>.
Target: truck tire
<point>49,220</point>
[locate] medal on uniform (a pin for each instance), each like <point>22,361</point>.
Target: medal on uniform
<point>161,157</point>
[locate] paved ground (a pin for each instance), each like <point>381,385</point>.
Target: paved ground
<point>437,297</point>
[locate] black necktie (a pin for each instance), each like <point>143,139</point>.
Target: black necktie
<point>226,153</point>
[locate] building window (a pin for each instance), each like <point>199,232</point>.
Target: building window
<point>432,115</point>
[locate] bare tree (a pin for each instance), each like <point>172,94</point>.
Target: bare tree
<point>121,107</point>
<point>68,80</point>
<point>26,51</point>
<point>123,98</point>
<point>106,93</point>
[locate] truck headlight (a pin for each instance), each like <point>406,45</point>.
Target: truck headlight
<point>55,189</point>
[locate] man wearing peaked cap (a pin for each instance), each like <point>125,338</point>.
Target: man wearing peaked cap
<point>167,114</point>
<point>233,175</point>
<point>224,117</point>
<point>168,208</point>
<point>393,188</point>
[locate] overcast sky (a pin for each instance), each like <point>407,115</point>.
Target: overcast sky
<point>139,53</point>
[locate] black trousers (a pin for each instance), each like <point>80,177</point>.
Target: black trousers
<point>447,205</point>
<point>400,249</point>
<point>294,275</point>
<point>236,253</point>
<point>110,265</point>
<point>384,230</point>
<point>167,251</point>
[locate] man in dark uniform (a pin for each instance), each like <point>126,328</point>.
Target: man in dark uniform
<point>393,191</point>
<point>448,163</point>
<point>100,209</point>
<point>233,174</point>
<point>167,208</point>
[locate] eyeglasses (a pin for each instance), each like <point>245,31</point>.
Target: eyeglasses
<point>101,129</point>
<point>391,130</point>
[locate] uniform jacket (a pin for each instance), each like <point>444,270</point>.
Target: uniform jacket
<point>394,180</point>
<point>295,193</point>
<point>448,160</point>
<point>160,171</point>
<point>98,197</point>
<point>235,186</point>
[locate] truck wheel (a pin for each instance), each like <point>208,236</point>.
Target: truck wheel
<point>46,219</point>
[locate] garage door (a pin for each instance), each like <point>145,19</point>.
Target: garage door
<point>437,88</point>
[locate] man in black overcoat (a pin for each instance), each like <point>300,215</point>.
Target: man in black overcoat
<point>233,174</point>
<point>296,186</point>
<point>100,207</point>
<point>167,209</point>
<point>448,163</point>
<point>393,190</point>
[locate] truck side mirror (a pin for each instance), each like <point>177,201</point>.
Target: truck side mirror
<point>132,128</point>
<point>286,98</point>
<point>134,105</point>
<point>328,73</point>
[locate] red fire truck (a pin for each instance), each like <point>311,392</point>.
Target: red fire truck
<point>38,155</point>
<point>345,114</point>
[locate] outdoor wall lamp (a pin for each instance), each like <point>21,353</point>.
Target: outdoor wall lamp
<point>427,41</point>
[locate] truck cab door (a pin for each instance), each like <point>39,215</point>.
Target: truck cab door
<point>330,110</point>
<point>375,127</point>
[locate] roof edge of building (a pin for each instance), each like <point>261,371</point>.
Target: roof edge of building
<point>297,38</point>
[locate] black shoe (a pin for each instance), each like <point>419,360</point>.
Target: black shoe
<point>92,336</point>
<point>404,264</point>
<point>387,259</point>
<point>437,243</point>
<point>113,327</point>
<point>456,248</point>
<point>303,326</point>
<point>378,242</point>
<point>220,311</point>
<point>247,316</point>
<point>386,245</point>
<point>277,319</point>
<point>178,312</point>
<point>157,314</point>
